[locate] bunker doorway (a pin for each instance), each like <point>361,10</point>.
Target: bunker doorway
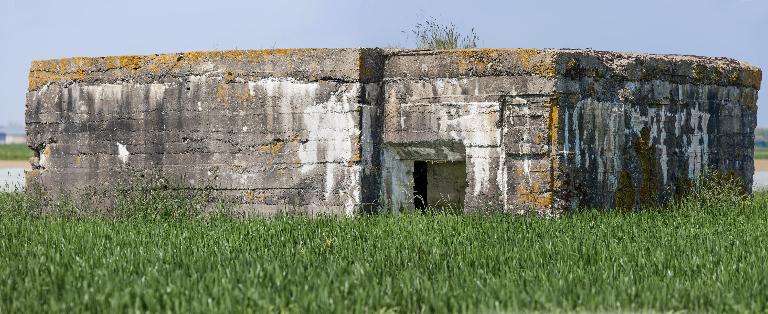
<point>420,185</point>
<point>439,185</point>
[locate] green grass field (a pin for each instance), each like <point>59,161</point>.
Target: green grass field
<point>706,256</point>
<point>15,152</point>
<point>761,152</point>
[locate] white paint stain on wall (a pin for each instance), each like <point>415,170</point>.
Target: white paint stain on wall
<point>698,143</point>
<point>105,97</point>
<point>108,98</point>
<point>476,129</point>
<point>332,133</point>
<point>527,170</point>
<point>122,153</point>
<point>604,122</point>
<point>397,177</point>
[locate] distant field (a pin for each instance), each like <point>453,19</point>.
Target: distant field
<point>708,257</point>
<point>761,137</point>
<point>761,152</point>
<point>15,152</point>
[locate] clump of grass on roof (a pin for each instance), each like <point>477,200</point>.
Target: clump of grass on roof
<point>431,34</point>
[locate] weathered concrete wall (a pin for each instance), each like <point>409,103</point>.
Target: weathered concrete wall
<point>268,130</point>
<point>637,129</point>
<point>339,130</point>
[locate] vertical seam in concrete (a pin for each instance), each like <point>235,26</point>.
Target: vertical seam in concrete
<point>505,170</point>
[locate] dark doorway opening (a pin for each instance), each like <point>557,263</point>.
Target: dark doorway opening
<point>420,185</point>
<point>447,185</point>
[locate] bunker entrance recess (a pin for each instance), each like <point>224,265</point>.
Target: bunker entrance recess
<point>425,176</point>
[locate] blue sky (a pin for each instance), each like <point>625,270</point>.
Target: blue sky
<point>32,30</point>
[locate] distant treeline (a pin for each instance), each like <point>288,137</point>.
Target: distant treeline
<point>761,137</point>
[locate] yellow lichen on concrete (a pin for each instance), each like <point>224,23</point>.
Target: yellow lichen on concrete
<point>749,100</point>
<point>165,62</point>
<point>47,151</point>
<point>699,71</point>
<point>476,60</point>
<point>554,128</point>
<point>221,91</point>
<point>528,59</point>
<point>733,78</point>
<point>276,148</point>
<point>249,196</point>
<point>753,77</point>
<point>540,138</point>
<point>527,196</point>
<point>38,80</point>
<point>525,55</point>
<point>131,63</point>
<point>42,72</point>
<point>480,60</point>
<point>717,74</point>
<point>78,68</point>
<point>355,158</point>
<point>535,187</point>
<point>554,121</point>
<point>243,55</point>
<point>365,72</point>
<point>272,148</point>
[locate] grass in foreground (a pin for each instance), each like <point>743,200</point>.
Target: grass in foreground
<point>15,152</point>
<point>704,256</point>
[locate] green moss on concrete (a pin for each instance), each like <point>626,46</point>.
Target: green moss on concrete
<point>625,192</point>
<point>649,174</point>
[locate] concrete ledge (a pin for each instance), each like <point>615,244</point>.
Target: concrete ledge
<point>680,69</point>
<point>348,65</point>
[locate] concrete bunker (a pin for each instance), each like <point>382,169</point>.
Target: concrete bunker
<point>348,130</point>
